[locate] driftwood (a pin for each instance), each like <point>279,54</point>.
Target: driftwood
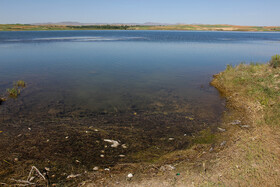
<point>22,182</point>
<point>30,178</point>
<point>38,172</point>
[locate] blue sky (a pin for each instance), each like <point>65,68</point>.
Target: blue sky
<point>238,12</point>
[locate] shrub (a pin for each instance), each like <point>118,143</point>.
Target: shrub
<point>13,92</point>
<point>275,61</point>
<point>21,83</point>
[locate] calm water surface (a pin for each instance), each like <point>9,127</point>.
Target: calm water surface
<point>134,86</point>
<point>115,70</point>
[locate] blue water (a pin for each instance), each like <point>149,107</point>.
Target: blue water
<point>124,71</point>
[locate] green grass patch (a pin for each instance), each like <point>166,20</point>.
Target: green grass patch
<point>15,91</point>
<point>275,61</point>
<point>259,83</point>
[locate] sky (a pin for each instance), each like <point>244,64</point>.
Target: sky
<point>236,12</point>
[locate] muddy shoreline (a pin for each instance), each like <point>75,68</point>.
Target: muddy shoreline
<point>76,144</point>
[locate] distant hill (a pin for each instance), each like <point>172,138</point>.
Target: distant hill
<point>78,23</point>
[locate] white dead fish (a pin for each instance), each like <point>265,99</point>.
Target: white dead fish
<point>113,142</point>
<point>73,176</point>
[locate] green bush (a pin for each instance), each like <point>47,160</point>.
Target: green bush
<point>275,61</point>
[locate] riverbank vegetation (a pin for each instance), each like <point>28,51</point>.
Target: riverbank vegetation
<point>258,83</point>
<point>30,27</point>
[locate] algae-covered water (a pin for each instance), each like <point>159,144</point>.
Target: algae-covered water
<point>148,90</point>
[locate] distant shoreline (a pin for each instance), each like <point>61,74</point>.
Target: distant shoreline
<point>183,27</point>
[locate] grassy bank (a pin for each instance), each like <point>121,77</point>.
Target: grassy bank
<point>29,27</point>
<point>257,85</point>
<point>247,151</point>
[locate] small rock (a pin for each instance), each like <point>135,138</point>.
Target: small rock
<point>47,140</point>
<point>221,129</point>
<point>2,99</point>
<point>53,176</point>
<point>113,142</point>
<point>167,168</point>
<point>66,137</point>
<point>235,122</point>
<point>86,132</point>
<point>102,156</point>
<point>211,149</point>
<point>96,130</point>
<point>130,175</point>
<point>16,159</point>
<point>73,176</point>
<point>170,139</point>
<point>107,169</point>
<point>102,151</point>
<point>122,156</point>
<point>77,161</point>
<point>47,169</point>
<point>95,168</point>
<point>245,126</point>
<point>185,134</point>
<point>223,143</point>
<point>105,146</point>
<point>124,146</point>
<point>29,128</point>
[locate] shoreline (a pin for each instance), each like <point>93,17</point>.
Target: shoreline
<point>246,152</point>
<point>243,151</point>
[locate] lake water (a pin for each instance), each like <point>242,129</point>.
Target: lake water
<point>138,87</point>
